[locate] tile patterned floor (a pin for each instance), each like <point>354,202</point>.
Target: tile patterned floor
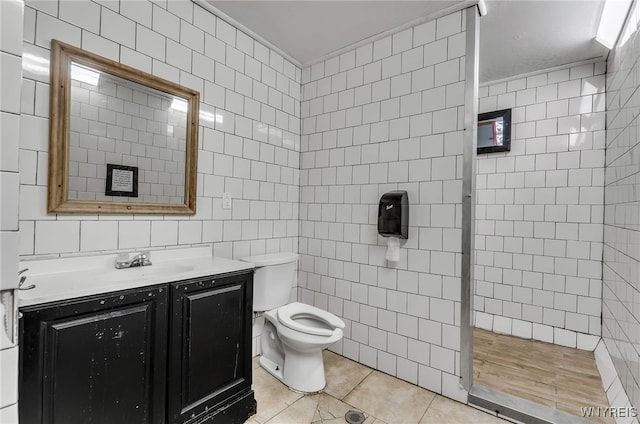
<point>353,386</point>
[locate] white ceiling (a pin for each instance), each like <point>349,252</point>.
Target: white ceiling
<point>307,30</point>
<point>523,36</point>
<point>516,36</point>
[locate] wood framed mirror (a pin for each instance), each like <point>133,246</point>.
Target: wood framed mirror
<point>121,141</point>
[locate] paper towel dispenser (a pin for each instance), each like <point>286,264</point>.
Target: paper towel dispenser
<point>393,214</point>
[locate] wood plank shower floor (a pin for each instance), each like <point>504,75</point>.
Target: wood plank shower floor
<point>556,376</point>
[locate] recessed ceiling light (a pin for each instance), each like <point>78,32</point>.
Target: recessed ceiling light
<point>613,16</point>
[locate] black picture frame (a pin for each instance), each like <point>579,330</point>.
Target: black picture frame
<point>494,131</point>
<point>125,183</point>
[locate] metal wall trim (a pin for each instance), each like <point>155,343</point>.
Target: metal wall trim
<point>517,409</point>
<point>469,196</point>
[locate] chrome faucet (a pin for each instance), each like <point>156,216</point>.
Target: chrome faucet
<point>141,259</point>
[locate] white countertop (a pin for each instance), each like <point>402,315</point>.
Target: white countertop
<point>67,278</point>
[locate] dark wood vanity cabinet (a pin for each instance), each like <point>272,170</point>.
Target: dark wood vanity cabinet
<point>210,350</point>
<point>170,353</point>
<point>95,360</point>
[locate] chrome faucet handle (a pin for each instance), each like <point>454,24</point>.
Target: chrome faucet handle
<point>144,258</point>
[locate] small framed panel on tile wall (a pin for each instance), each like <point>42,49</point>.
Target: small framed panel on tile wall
<point>494,131</point>
<point>122,181</point>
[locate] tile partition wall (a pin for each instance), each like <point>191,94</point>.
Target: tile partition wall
<point>539,216</point>
<point>384,116</point>
<point>11,21</point>
<point>621,270</point>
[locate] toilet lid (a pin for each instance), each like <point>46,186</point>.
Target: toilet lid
<point>295,314</point>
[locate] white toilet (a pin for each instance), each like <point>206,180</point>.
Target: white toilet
<point>294,334</point>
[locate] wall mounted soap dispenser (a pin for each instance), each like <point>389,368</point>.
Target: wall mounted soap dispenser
<point>393,215</point>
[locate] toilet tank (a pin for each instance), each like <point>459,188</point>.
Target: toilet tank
<point>273,279</point>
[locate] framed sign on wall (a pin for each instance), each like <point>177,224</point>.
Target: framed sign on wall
<point>494,131</point>
<point>122,181</point>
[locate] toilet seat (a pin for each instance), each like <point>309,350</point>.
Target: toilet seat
<point>287,316</point>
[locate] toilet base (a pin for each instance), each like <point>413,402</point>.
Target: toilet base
<point>294,358</point>
<point>304,371</point>
<point>271,367</point>
<point>301,372</point>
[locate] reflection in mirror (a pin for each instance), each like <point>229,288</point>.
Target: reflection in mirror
<point>122,141</point>
<point>117,122</point>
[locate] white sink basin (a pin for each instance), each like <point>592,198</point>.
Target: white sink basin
<point>67,278</point>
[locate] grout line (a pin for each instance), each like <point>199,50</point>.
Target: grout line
<point>429,406</point>
<point>317,408</point>
<point>357,385</point>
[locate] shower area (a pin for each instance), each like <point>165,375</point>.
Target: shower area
<point>555,294</point>
<point>539,239</point>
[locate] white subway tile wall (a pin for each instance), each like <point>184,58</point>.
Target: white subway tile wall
<point>249,135</point>
<point>387,116</point>
<point>11,52</point>
<point>539,214</point>
<point>621,277</point>
<point>306,168</point>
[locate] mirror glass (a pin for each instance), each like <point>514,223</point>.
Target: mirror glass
<point>122,141</point>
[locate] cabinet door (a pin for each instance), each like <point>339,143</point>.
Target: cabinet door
<point>210,346</point>
<point>98,360</point>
